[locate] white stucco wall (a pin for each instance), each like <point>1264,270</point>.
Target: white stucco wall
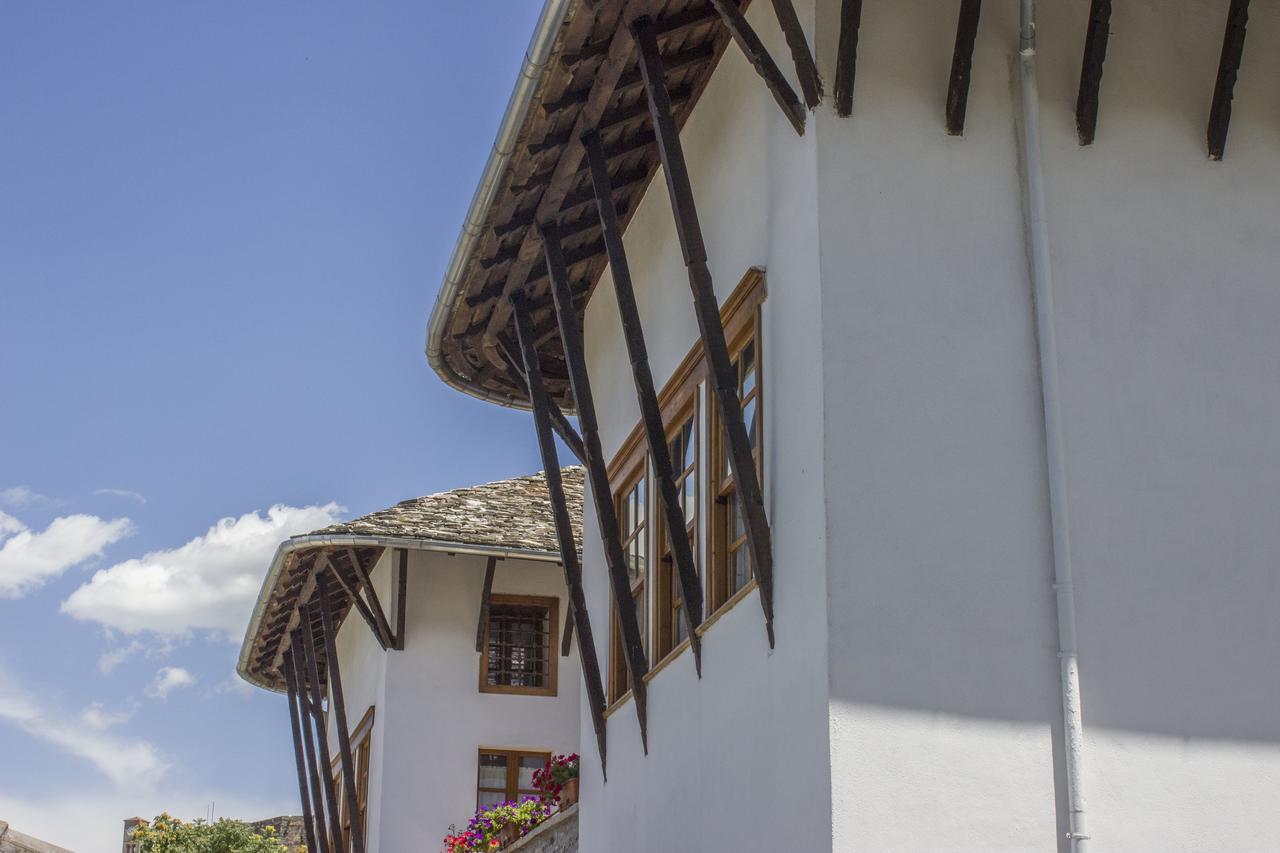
<point>430,718</point>
<point>753,731</point>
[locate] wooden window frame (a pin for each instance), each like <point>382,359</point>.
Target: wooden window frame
<point>680,404</point>
<point>631,472</point>
<point>361,740</point>
<point>513,791</point>
<point>552,605</point>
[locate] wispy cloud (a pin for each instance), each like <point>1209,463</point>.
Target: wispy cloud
<point>169,679</point>
<point>97,717</point>
<point>112,658</point>
<point>122,760</point>
<point>22,497</point>
<point>30,559</point>
<point>209,584</point>
<point>234,685</point>
<point>122,493</point>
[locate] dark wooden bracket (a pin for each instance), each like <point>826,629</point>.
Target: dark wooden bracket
<point>315,687</point>
<point>304,794</point>
<point>400,595</point>
<point>380,615</point>
<point>566,643</point>
<point>801,55</point>
<point>962,66</point>
<point>325,563</point>
<point>539,399</point>
<point>1095,54</point>
<point>647,396</point>
<point>295,658</point>
<point>1228,72</point>
<point>340,715</point>
<point>559,421</point>
<point>723,373</point>
<point>482,624</point>
<point>761,61</point>
<point>847,55</point>
<point>598,476</point>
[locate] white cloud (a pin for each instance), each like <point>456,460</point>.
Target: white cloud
<point>122,493</point>
<point>29,560</point>
<point>98,718</point>
<point>210,583</point>
<point>234,685</point>
<point>112,658</point>
<point>122,760</point>
<point>21,497</point>
<point>169,679</point>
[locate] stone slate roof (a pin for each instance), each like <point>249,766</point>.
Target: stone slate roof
<point>513,513</point>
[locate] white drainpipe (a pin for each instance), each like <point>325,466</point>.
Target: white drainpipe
<point>1042,289</point>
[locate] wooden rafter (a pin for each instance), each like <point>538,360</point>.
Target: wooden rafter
<point>1095,54</point>
<point>298,680</point>
<point>400,595</point>
<point>672,26</point>
<point>539,399</point>
<point>761,61</point>
<point>375,605</point>
<point>962,65</point>
<point>314,687</point>
<point>801,55</point>
<point>597,100</point>
<point>598,477</point>
<point>333,672</point>
<point>566,642</point>
<point>647,397</point>
<point>1228,73</point>
<point>847,55</point>
<point>482,623</point>
<point>352,589</point>
<point>299,757</point>
<point>711,330</point>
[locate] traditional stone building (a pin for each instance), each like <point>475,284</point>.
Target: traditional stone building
<point>12,841</point>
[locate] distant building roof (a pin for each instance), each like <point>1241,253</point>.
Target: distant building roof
<point>507,518</point>
<point>12,841</point>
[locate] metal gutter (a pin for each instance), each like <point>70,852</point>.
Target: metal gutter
<point>302,543</point>
<point>554,15</point>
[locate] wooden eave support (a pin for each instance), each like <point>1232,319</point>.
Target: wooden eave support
<point>566,642</point>
<point>400,596</point>
<point>962,65</point>
<point>313,686</point>
<point>482,623</point>
<point>375,605</point>
<point>801,55</point>
<point>340,716</point>
<point>299,757</point>
<point>352,589</point>
<point>1228,73</point>
<point>598,477</point>
<point>296,672</point>
<point>1095,54</point>
<point>559,421</point>
<point>539,399</point>
<point>847,55</point>
<point>723,374</point>
<point>761,61</point>
<point>671,26</point>
<point>647,397</point>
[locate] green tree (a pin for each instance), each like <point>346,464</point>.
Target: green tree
<point>167,834</point>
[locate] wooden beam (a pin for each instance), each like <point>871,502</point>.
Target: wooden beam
<point>566,643</point>
<point>482,624</point>
<point>962,65</point>
<point>366,584</point>
<point>806,69</point>
<point>564,528</point>
<point>758,55</point>
<point>559,421</point>
<point>308,818</point>
<point>597,101</point>
<point>724,375</point>
<point>1228,73</point>
<point>633,180</point>
<point>353,592</point>
<point>1095,54</point>
<point>293,658</point>
<point>847,55</point>
<point>400,595</point>
<point>647,398</point>
<point>315,687</point>
<point>671,26</point>
<point>349,783</point>
<point>601,495</point>
<point>631,82</point>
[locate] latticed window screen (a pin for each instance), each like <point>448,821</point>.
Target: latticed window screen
<point>520,644</point>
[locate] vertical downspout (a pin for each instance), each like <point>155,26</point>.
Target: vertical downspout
<point>1042,290</point>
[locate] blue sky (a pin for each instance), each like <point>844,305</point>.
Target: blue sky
<point>222,226</point>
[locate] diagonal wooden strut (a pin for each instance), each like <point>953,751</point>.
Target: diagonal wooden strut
<point>297,669</point>
<point>1228,72</point>
<point>340,715</point>
<point>380,615</point>
<point>566,642</point>
<point>559,422</point>
<point>761,61</point>
<point>647,396</point>
<point>847,55</point>
<point>806,68</point>
<point>400,595</point>
<point>962,65</point>
<point>601,494</point>
<point>313,685</point>
<point>324,563</point>
<point>482,623</point>
<point>724,374</point>
<point>291,687</point>
<point>538,397</point>
<point>1095,54</point>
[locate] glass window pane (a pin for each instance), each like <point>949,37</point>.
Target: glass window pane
<point>749,418</point>
<point>690,497</point>
<point>748,368</point>
<point>741,568</point>
<point>528,764</point>
<point>493,771</point>
<point>491,798</point>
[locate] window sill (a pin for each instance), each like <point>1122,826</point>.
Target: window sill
<point>666,661</point>
<point>727,606</point>
<point>518,691</point>
<point>618,703</point>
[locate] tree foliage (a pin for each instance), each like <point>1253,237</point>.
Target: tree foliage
<point>167,834</point>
